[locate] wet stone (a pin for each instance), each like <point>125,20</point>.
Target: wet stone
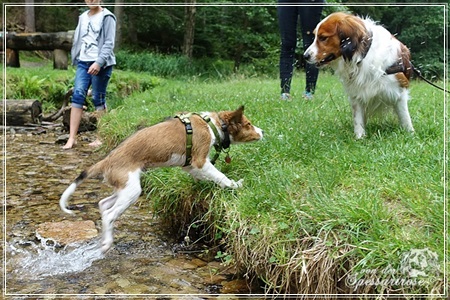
<point>179,283</point>
<point>214,279</point>
<point>139,289</point>
<point>62,139</point>
<point>123,282</point>
<point>235,286</point>
<point>198,262</point>
<point>67,232</point>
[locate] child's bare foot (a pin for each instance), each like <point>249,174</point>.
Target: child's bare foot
<point>96,143</point>
<point>70,143</point>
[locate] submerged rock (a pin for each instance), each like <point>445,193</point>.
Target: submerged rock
<point>67,232</point>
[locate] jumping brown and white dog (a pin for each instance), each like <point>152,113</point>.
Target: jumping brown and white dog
<point>373,65</point>
<point>164,145</point>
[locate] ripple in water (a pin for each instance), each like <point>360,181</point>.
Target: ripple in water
<point>28,260</point>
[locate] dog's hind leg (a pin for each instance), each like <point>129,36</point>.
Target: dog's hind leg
<point>124,198</point>
<point>401,108</point>
<point>107,203</point>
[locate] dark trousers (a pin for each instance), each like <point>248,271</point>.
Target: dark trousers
<point>288,20</point>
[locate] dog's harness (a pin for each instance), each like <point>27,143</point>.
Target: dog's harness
<point>399,67</point>
<point>218,145</point>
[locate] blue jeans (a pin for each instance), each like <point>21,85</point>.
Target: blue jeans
<point>83,81</point>
<point>289,18</point>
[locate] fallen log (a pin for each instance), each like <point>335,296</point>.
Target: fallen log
<point>88,120</point>
<point>59,113</point>
<point>28,112</point>
<point>21,112</point>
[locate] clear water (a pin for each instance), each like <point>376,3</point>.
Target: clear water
<point>29,260</point>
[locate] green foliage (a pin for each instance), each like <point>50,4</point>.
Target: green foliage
<point>41,83</point>
<point>178,66</point>
<point>245,32</point>
<point>313,198</point>
<point>49,86</point>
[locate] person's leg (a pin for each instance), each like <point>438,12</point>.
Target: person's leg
<point>287,21</point>
<point>80,90</point>
<point>309,18</point>
<point>99,85</point>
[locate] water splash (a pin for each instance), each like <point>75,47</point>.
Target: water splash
<point>29,260</point>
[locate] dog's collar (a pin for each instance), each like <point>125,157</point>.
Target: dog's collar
<point>220,144</point>
<point>366,44</point>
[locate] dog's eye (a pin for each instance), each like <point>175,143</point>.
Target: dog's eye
<point>323,38</point>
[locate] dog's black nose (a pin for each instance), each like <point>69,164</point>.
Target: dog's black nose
<point>306,56</point>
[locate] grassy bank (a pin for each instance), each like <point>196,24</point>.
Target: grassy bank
<point>319,212</point>
<point>38,80</point>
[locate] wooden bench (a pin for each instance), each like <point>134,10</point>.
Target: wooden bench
<point>58,42</point>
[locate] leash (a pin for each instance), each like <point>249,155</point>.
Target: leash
<point>400,68</point>
<point>218,146</point>
<point>419,74</point>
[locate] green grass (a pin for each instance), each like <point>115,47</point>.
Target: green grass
<point>316,204</point>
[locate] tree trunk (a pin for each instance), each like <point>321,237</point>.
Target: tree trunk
<point>118,11</point>
<point>30,21</point>
<point>189,25</point>
<point>132,32</point>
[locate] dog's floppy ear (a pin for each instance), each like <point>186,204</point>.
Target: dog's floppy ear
<point>351,31</point>
<point>348,47</point>
<point>237,115</point>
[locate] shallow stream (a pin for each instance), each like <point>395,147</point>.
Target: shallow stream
<point>144,259</point>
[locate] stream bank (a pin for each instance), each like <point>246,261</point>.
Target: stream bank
<point>144,259</point>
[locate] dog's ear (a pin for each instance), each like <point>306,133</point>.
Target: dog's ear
<point>237,115</point>
<point>351,32</point>
<point>348,47</point>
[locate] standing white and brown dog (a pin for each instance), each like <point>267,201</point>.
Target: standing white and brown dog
<point>164,145</point>
<point>373,65</point>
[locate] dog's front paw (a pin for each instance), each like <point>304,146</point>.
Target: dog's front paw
<point>360,135</point>
<point>236,184</point>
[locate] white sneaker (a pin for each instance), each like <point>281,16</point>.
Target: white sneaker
<point>307,96</point>
<point>285,96</point>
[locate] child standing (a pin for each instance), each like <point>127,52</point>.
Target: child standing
<point>92,53</point>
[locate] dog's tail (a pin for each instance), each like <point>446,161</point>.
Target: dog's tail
<point>91,172</point>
